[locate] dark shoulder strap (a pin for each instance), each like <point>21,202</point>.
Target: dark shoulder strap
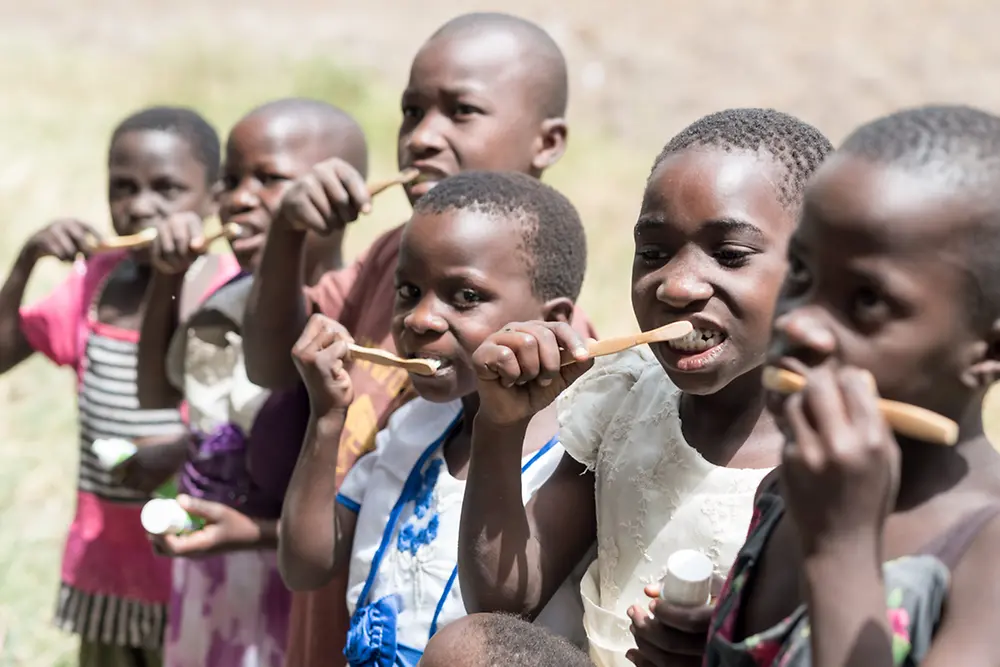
<point>950,546</point>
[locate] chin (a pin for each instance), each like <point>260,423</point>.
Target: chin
<point>440,388</point>
<point>710,379</point>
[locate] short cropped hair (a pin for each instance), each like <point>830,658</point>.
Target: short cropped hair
<point>796,146</point>
<point>509,640</point>
<point>960,146</point>
<point>186,124</point>
<point>554,243</point>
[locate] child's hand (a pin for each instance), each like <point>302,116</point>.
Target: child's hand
<point>155,462</point>
<point>226,529</point>
<point>319,355</point>
<point>520,369</point>
<point>840,466</point>
<point>673,636</point>
<point>179,241</point>
<point>63,239</point>
<point>326,199</point>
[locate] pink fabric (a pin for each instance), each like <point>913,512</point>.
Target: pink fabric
<point>56,325</point>
<point>107,552</point>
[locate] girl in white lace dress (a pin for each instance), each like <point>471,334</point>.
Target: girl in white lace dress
<point>665,446</point>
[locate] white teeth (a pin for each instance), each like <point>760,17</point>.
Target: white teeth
<point>698,340</point>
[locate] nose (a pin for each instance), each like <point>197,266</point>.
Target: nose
<point>243,197</point>
<point>143,207</point>
<point>682,285</point>
<point>428,136</point>
<point>424,318</point>
<point>804,334</point>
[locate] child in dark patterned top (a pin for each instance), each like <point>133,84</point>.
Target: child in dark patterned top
<point>886,554</point>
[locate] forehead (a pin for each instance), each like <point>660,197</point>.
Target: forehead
<point>153,150</point>
<point>466,239</point>
<point>704,184</point>
<point>265,136</point>
<point>484,61</point>
<point>887,209</point>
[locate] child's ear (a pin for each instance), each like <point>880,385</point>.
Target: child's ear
<point>551,143</point>
<point>558,310</point>
<point>985,369</point>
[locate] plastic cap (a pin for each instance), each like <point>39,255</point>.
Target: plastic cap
<point>161,516</point>
<point>688,581</point>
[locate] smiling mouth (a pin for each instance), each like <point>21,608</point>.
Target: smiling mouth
<point>696,342</point>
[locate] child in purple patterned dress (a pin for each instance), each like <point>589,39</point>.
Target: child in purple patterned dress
<point>229,607</point>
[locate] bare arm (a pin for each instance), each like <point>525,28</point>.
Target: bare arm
<point>512,557</point>
<point>316,531</point>
<point>14,347</point>
<point>159,322</point>
<point>276,310</point>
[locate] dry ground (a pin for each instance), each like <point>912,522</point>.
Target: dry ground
<point>640,71</point>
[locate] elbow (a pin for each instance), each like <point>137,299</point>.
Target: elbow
<point>301,573</point>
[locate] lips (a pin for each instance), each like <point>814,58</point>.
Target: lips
<point>425,181</point>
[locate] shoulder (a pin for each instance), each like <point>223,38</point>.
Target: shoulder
<point>419,422</point>
<point>631,383</point>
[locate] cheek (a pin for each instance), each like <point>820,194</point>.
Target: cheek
<point>270,197</point>
<point>644,303</point>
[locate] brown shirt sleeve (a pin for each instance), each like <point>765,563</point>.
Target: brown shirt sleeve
<point>340,294</point>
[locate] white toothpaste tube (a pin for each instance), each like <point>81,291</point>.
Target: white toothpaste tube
<point>165,516</point>
<point>688,581</point>
<point>113,451</point>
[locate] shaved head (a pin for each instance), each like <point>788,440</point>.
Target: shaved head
<point>535,49</point>
<point>313,125</point>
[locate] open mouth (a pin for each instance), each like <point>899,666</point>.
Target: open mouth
<point>696,342</point>
<point>444,365</point>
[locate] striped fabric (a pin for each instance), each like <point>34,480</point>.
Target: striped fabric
<point>110,620</point>
<point>109,408</point>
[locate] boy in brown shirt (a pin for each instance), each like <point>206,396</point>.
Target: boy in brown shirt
<point>486,91</point>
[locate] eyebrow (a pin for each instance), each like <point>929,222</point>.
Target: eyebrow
<point>724,225</point>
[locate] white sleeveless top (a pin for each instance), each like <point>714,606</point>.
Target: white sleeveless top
<point>655,493</point>
<point>406,539</point>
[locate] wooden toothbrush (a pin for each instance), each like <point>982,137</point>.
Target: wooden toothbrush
<point>600,348</point>
<point>147,236</point>
<point>905,419</point>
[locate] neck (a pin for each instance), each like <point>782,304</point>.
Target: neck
<point>718,425</point>
<point>927,469</point>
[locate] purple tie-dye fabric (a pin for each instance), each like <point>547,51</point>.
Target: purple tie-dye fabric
<point>228,611</point>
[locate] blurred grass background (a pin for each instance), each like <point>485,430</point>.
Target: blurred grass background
<point>69,72</point>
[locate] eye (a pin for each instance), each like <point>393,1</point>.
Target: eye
<point>733,257</point>
<point>407,292</point>
<point>652,255</point>
<point>412,112</point>
<point>466,110</point>
<point>797,279</point>
<point>121,188</point>
<point>229,182</point>
<point>868,306</point>
<point>466,298</point>
<point>169,189</point>
<point>272,179</point>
